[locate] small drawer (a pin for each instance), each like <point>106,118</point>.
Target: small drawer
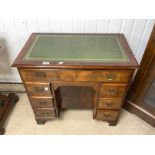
<point>38,89</point>
<point>42,102</point>
<point>107,115</point>
<point>112,90</point>
<point>44,112</point>
<point>33,74</point>
<point>109,103</point>
<point>110,76</point>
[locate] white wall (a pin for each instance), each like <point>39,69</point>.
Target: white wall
<point>14,33</point>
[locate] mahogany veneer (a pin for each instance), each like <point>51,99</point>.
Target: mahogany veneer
<point>76,71</point>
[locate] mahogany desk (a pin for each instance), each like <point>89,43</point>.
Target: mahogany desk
<point>76,71</point>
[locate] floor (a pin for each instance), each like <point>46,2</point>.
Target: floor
<point>80,122</point>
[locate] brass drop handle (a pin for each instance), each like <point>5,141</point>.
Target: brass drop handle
<point>40,74</point>
<point>113,91</point>
<point>110,77</point>
<point>106,115</point>
<point>46,114</point>
<point>40,89</point>
<point>109,104</point>
<point>42,102</point>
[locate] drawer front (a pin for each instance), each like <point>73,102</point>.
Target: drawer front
<point>38,89</point>
<point>42,102</point>
<point>40,112</point>
<point>112,90</point>
<point>107,115</point>
<point>109,103</point>
<point>76,75</point>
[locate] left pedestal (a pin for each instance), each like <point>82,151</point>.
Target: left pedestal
<point>7,103</point>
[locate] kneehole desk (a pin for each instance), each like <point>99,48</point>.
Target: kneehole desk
<point>76,71</point>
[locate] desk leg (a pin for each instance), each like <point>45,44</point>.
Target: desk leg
<point>40,121</point>
<point>2,130</point>
<point>113,123</point>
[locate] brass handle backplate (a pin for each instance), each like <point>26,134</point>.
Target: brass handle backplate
<point>107,115</point>
<point>40,74</point>
<point>109,104</point>
<point>110,77</point>
<point>113,91</point>
<point>46,114</point>
<point>42,102</point>
<point>38,89</point>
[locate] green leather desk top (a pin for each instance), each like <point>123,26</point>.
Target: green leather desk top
<point>46,47</point>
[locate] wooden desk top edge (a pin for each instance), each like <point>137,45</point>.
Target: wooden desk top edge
<point>77,65</point>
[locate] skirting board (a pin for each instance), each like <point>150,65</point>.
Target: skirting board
<point>139,111</point>
<point>12,87</point>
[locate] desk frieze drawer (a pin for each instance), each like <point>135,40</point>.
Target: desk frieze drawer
<point>112,90</point>
<point>39,102</point>
<point>38,89</point>
<point>107,115</point>
<point>75,75</point>
<point>109,103</point>
<point>44,112</point>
